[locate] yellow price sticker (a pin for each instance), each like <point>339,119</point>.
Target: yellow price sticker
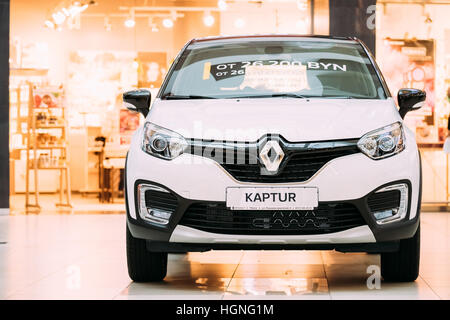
<point>206,70</point>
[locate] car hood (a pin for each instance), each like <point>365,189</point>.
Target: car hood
<point>294,119</point>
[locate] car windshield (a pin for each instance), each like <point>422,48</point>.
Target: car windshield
<point>260,68</point>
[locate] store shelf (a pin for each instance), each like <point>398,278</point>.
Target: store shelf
<point>26,72</point>
<point>45,146</point>
<point>50,147</point>
<point>62,126</point>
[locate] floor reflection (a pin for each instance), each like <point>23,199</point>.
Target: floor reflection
<point>41,252</point>
<point>277,286</point>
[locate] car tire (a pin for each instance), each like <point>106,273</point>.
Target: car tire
<point>403,265</point>
<point>143,265</point>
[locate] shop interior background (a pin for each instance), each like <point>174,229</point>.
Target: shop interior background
<point>77,57</point>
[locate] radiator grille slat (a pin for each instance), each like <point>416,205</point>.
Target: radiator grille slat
<point>217,218</point>
<point>298,166</point>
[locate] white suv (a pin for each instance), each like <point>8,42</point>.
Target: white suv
<point>273,142</point>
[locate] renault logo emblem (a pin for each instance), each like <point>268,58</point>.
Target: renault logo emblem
<point>271,156</point>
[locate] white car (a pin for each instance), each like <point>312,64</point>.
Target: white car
<point>273,142</point>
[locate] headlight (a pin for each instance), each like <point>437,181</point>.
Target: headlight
<point>161,142</point>
<point>384,142</point>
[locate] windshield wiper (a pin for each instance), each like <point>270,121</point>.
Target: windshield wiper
<point>179,97</point>
<point>273,95</point>
<point>338,97</point>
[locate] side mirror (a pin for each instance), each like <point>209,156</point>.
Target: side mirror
<point>138,101</point>
<point>410,100</point>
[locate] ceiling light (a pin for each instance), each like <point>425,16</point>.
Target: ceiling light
<point>107,24</point>
<point>59,17</point>
<point>129,23</point>
<point>173,15</point>
<point>76,8</point>
<point>167,23</point>
<point>222,5</point>
<point>239,23</point>
<point>83,7</point>
<point>49,24</point>
<point>302,5</point>
<point>208,19</point>
<point>152,24</point>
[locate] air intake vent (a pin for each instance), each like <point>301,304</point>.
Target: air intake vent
<point>217,218</point>
<point>385,200</point>
<point>160,200</point>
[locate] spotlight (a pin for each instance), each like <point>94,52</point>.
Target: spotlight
<point>302,5</point>
<point>83,7</point>
<point>129,23</point>
<point>107,24</point>
<point>152,25</point>
<point>59,17</point>
<point>77,8</point>
<point>222,5</point>
<point>49,24</point>
<point>208,20</point>
<point>167,23</point>
<point>239,23</point>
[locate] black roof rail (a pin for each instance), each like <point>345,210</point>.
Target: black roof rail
<point>213,38</point>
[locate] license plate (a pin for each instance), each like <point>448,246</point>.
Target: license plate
<point>279,198</point>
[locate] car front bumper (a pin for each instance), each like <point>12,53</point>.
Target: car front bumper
<point>350,179</point>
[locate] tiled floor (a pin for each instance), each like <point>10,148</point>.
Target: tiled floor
<point>83,257</point>
<point>80,204</point>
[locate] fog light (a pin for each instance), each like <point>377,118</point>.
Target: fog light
<point>394,214</point>
<point>158,213</point>
<point>146,212</point>
<point>385,214</point>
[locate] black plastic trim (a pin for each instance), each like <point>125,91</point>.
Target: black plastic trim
<point>174,247</point>
<point>377,69</point>
<point>212,39</point>
<point>403,229</point>
<point>171,69</point>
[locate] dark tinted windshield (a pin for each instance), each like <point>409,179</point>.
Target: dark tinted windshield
<point>257,68</point>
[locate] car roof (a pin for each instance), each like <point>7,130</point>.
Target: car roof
<point>274,37</point>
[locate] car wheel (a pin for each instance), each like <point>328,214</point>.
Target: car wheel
<point>143,265</point>
<point>403,265</point>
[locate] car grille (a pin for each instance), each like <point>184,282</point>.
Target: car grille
<point>385,200</point>
<point>298,167</point>
<point>217,218</point>
<point>301,160</point>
